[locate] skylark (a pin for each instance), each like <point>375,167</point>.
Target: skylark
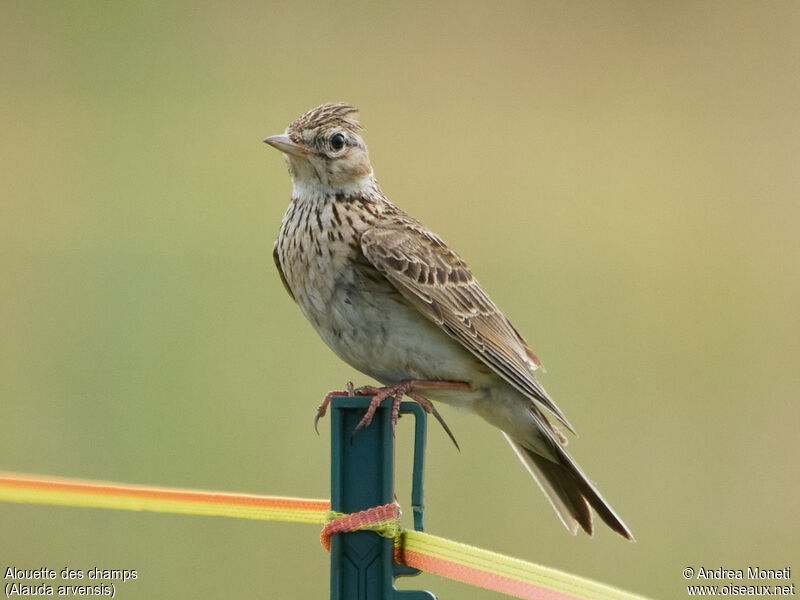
<point>392,300</point>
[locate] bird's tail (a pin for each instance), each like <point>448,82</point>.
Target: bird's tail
<point>568,489</point>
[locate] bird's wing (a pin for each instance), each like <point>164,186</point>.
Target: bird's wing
<point>277,260</point>
<point>439,284</point>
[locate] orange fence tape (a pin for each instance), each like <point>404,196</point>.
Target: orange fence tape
<point>415,548</point>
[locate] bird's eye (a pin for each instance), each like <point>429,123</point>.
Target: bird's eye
<point>337,142</point>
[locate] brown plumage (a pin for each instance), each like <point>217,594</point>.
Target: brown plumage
<point>391,299</point>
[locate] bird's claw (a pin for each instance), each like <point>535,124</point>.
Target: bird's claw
<point>323,408</point>
<point>428,406</point>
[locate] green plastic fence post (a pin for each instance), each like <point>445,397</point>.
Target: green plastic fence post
<point>362,476</point>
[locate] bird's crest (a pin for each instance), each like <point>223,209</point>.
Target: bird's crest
<point>325,117</point>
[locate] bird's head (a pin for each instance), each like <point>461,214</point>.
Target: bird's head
<point>324,151</point>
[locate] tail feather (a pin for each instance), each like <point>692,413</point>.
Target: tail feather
<point>569,490</point>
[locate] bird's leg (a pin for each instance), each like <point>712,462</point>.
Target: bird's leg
<point>323,408</point>
<point>408,388</point>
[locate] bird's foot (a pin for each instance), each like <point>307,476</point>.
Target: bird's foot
<point>323,408</point>
<point>408,388</point>
<point>379,394</point>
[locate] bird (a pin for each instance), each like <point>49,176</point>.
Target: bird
<point>391,299</point>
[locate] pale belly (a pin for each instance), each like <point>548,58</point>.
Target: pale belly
<point>370,326</point>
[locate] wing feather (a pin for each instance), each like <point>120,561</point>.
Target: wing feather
<point>439,284</point>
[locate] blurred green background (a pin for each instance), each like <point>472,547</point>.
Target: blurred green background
<point>624,178</point>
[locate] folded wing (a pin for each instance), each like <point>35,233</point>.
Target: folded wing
<point>439,284</point>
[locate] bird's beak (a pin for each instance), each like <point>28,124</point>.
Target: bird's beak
<point>286,145</point>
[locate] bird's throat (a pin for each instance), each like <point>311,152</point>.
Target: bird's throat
<point>313,187</point>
